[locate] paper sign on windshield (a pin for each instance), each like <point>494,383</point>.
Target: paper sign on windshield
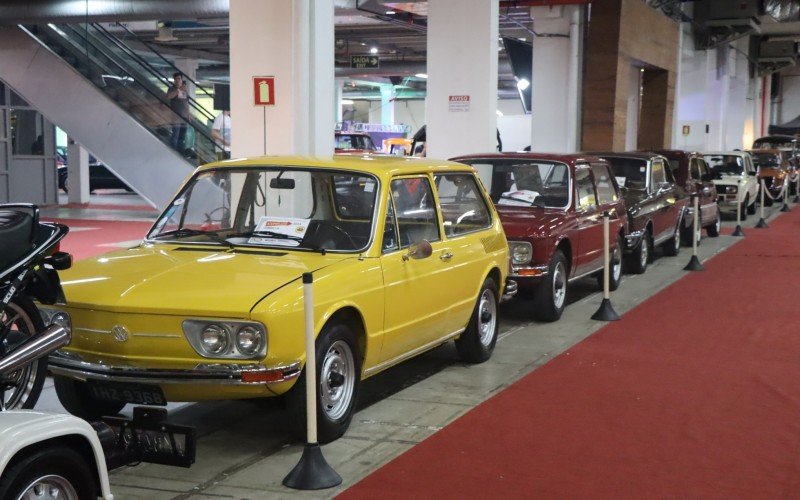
<point>520,198</point>
<point>280,231</point>
<point>621,181</point>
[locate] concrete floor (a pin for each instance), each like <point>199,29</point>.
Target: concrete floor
<point>244,450</point>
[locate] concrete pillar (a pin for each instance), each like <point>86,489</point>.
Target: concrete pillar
<point>557,71</point>
<point>77,173</point>
<point>338,96</point>
<point>461,106</point>
<point>291,40</point>
<point>632,114</point>
<point>387,104</point>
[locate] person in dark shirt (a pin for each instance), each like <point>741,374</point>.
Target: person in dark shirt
<point>179,103</point>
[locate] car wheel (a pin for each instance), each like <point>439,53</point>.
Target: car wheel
<point>338,380</point>
<point>744,209</point>
<point>50,472</point>
<point>477,342</point>
<point>673,245</point>
<point>551,295</point>
<point>615,276</point>
<point>637,261</point>
<point>713,230</point>
<point>751,209</point>
<point>76,398</point>
<point>23,386</point>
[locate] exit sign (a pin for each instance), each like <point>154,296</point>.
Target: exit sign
<point>360,62</point>
<point>264,90</point>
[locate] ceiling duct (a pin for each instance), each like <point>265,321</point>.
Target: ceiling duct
<point>782,10</point>
<point>721,21</point>
<point>55,11</point>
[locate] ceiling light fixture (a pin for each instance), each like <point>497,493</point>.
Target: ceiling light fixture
<point>390,12</point>
<point>523,84</point>
<point>347,102</point>
<point>373,50</point>
<point>421,75</point>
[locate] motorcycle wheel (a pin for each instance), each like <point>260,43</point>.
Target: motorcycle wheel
<point>20,389</point>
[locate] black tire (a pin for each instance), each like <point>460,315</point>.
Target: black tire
<point>672,246</point>
<point>477,342</point>
<point>638,260</point>
<point>745,207</point>
<point>75,397</point>
<point>615,276</point>
<point>548,304</point>
<point>333,422</point>
<point>713,230</point>
<point>751,209</point>
<point>51,462</point>
<point>27,322</point>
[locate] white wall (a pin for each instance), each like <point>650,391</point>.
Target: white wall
<point>789,100</point>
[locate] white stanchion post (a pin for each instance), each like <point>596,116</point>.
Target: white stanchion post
<point>796,186</point>
<point>762,223</point>
<point>785,207</point>
<point>312,472</point>
<point>694,263</point>
<point>737,231</point>
<point>606,311</point>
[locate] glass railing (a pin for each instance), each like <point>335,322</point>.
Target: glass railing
<point>134,84</point>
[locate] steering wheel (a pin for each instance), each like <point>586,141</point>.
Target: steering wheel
<point>226,214</point>
<point>338,229</point>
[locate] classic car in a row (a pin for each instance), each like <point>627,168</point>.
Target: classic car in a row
<point>655,205</point>
<point>773,168</point>
<point>551,207</point>
<point>735,180</point>
<point>406,254</point>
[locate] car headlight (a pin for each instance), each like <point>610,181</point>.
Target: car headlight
<point>731,189</point>
<point>214,339</point>
<point>521,252</point>
<point>226,339</point>
<point>248,339</point>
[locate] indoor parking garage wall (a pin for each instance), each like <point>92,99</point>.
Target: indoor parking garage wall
<point>626,36</point>
<point>787,100</point>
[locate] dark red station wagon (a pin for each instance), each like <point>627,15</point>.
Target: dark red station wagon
<point>551,207</point>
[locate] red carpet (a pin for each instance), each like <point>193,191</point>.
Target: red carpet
<point>694,394</point>
<point>88,238</point>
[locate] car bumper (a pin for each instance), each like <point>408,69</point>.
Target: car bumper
<point>529,272</point>
<point>632,240</point>
<point>509,291</point>
<point>73,366</point>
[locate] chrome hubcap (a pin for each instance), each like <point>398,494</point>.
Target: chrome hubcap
<point>643,252</point>
<point>49,487</point>
<point>337,380</point>
<point>487,317</point>
<point>559,285</point>
<point>18,384</point>
<point>718,224</point>
<point>616,264</point>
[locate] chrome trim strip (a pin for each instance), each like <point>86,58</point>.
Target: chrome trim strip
<point>72,366</point>
<point>410,354</point>
<point>156,335</point>
<point>510,291</point>
<point>90,330</point>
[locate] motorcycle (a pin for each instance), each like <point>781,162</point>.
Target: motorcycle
<point>29,263</point>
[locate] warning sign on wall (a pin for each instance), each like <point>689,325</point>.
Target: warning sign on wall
<point>458,103</point>
<point>264,90</point>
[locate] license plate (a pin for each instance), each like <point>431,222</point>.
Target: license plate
<point>138,394</point>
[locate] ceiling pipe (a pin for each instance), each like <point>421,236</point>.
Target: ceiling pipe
<point>401,68</point>
<point>782,10</point>
<point>39,11</point>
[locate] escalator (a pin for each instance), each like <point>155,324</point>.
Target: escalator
<point>110,99</point>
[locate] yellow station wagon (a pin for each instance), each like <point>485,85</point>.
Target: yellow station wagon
<point>406,254</point>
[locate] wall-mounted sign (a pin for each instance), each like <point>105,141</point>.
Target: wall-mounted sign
<point>360,62</point>
<point>458,103</point>
<point>264,90</point>
<point>686,129</point>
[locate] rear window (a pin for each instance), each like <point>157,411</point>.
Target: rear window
<point>463,207</point>
<point>525,183</point>
<point>630,172</point>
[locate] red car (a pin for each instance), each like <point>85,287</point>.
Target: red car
<point>551,207</point>
<point>353,143</point>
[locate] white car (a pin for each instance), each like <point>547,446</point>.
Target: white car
<point>50,455</point>
<point>736,180</point>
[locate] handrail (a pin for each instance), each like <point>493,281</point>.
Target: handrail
<point>147,66</point>
<point>167,61</point>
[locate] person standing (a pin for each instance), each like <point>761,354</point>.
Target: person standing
<point>179,103</point>
<point>221,132</point>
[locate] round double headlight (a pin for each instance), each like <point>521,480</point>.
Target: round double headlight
<point>732,189</point>
<point>215,339</point>
<point>521,252</point>
<point>62,319</point>
<point>249,340</point>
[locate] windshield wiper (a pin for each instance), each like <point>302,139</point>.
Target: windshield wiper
<point>182,232</point>
<point>273,234</point>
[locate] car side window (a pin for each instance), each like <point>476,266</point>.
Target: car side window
<point>657,176</point>
<point>463,206</point>
<point>415,211</point>
<point>390,243</point>
<point>702,168</point>
<point>584,188</point>
<point>606,193</point>
<point>694,171</point>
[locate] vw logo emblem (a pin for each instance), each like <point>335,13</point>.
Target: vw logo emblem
<point>120,333</point>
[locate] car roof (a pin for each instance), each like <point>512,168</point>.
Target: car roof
<point>379,165</point>
<point>726,153</point>
<point>774,151</point>
<point>568,158</point>
<point>639,155</point>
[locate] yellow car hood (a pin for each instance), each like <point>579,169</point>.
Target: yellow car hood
<point>171,279</point>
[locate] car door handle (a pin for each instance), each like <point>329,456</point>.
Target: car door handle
<point>446,256</point>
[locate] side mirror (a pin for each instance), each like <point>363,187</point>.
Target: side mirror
<point>421,250</point>
<point>707,177</point>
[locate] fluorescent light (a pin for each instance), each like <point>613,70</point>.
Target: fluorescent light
<point>499,113</point>
<point>373,50</point>
<point>421,75</point>
<point>390,12</point>
<point>347,101</point>
<point>523,84</point>
<point>522,39</point>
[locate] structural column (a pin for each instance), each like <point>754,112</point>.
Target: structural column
<point>555,91</point>
<point>77,173</point>
<point>292,41</point>
<point>461,106</point>
<point>387,104</point>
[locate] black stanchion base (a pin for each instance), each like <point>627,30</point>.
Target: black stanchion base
<point>761,223</point>
<point>606,312</point>
<point>785,208</point>
<point>312,472</point>
<point>737,231</point>
<point>796,198</point>
<point>694,265</point>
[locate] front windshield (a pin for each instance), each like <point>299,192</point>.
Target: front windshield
<point>354,141</point>
<point>630,172</point>
<point>525,183</point>
<point>725,164</point>
<point>766,160</point>
<point>279,207</point>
